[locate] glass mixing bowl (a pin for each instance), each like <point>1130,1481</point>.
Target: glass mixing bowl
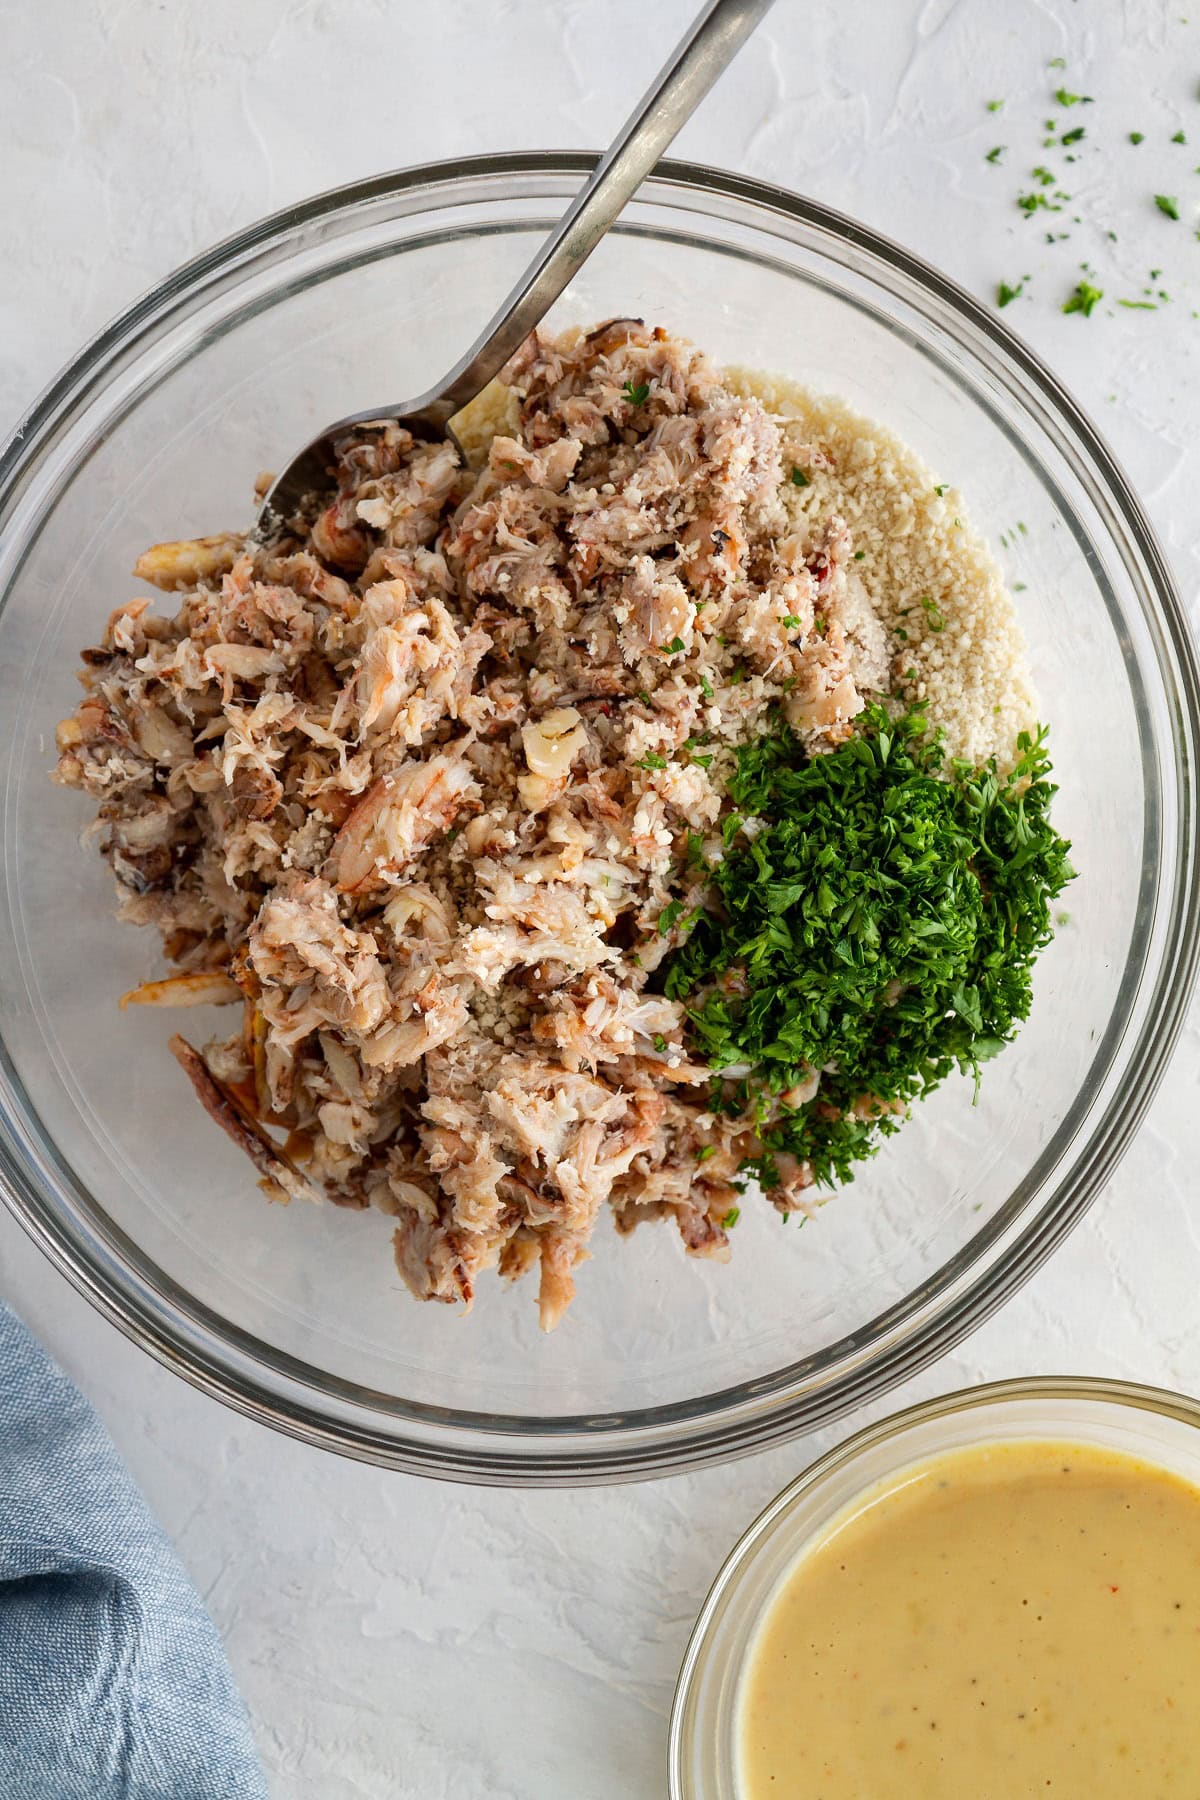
<point>297,1316</point>
<point>1155,1426</point>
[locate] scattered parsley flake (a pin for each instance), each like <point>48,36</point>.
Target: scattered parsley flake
<point>703,1154</point>
<point>1004,294</point>
<point>1044,175</point>
<point>1067,99</point>
<point>1179,138</point>
<point>789,619</point>
<point>660,1043</point>
<point>800,479</point>
<point>858,555</point>
<point>1138,305</point>
<point>1167,204</point>
<point>1057,62</point>
<point>995,153</point>
<point>933,612</point>
<point>668,916</point>
<point>1073,136</point>
<point>636,396</point>
<point>1083,299</point>
<point>731,1218</point>
<point>1137,137</point>
<point>644,697</point>
<point>652,760</point>
<point>994,105</point>
<point>706,687</point>
<point>673,648</point>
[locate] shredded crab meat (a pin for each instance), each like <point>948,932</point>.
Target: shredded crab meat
<point>415,785</point>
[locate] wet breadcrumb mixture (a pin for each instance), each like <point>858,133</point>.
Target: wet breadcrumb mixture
<point>424,787</point>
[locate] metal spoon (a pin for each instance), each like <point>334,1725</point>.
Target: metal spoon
<point>712,42</point>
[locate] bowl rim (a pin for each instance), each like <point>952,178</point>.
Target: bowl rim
<point>1166,1403</point>
<point>639,1443</point>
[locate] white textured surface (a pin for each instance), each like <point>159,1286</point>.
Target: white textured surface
<point>403,1639</point>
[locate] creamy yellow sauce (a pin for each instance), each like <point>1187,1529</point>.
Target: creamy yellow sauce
<point>999,1623</point>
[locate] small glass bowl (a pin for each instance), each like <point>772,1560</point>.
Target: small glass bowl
<point>1150,1423</point>
<point>296,1315</point>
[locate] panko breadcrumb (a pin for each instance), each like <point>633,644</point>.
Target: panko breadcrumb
<point>932,580</point>
<point>427,785</point>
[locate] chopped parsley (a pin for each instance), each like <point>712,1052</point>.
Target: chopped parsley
<point>1137,137</point>
<point>1066,99</point>
<point>644,697</point>
<point>1004,294</point>
<point>1166,204</point>
<point>1179,138</point>
<point>800,479</point>
<point>660,1043</point>
<point>668,916</point>
<point>995,153</point>
<point>994,105</point>
<point>673,648</point>
<point>652,760</point>
<point>707,1151</point>
<point>1073,136</point>
<point>789,619</point>
<point>731,1218</point>
<point>636,396</point>
<point>882,927</point>
<point>706,687</point>
<point>933,612</point>
<point>943,486</point>
<point>1044,175</point>
<point>1083,298</point>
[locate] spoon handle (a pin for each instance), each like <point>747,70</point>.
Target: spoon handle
<point>709,45</point>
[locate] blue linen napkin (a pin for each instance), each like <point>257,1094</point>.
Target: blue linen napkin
<point>113,1681</point>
